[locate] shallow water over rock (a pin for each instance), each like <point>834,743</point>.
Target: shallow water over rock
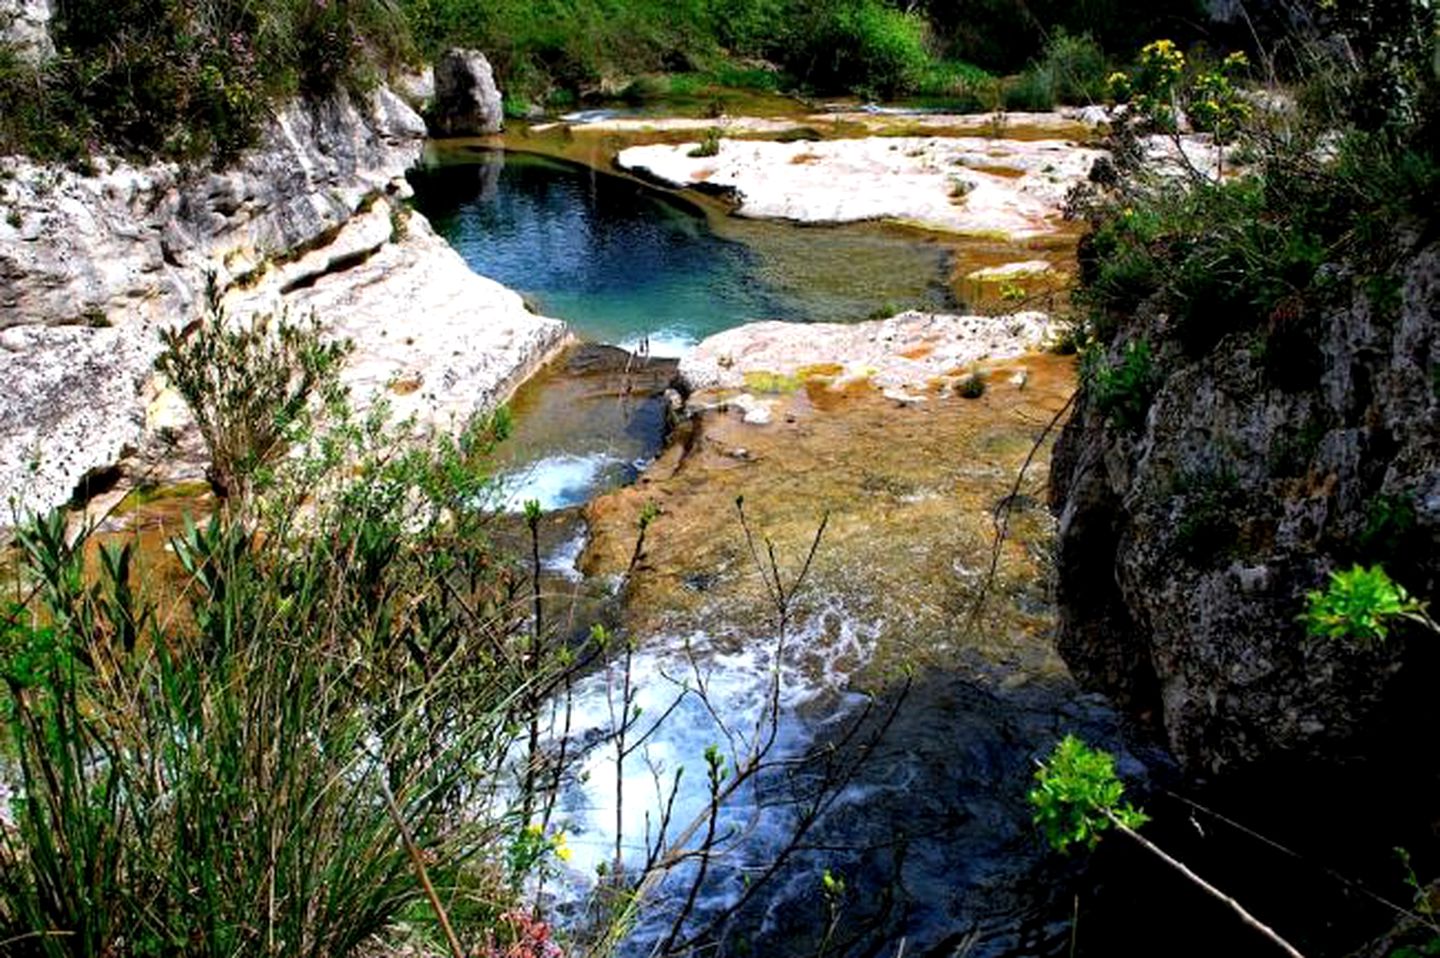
<point>918,710</point>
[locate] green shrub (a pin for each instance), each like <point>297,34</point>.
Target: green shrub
<point>954,81</point>
<point>1071,69</point>
<point>1076,66</point>
<point>1210,502</point>
<point>1031,91</point>
<point>252,390</point>
<point>1078,796</point>
<point>1361,603</point>
<point>237,769</point>
<point>709,145</point>
<point>865,46</point>
<point>1122,391</point>
<point>189,81</point>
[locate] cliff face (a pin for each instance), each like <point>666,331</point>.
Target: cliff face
<point>92,266</point>
<point>1186,545</point>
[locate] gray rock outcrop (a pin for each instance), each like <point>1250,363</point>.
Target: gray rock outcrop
<point>92,267</point>
<point>1187,545</point>
<point>25,26</point>
<point>466,101</point>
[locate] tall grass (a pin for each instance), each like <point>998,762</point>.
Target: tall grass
<point>207,773</point>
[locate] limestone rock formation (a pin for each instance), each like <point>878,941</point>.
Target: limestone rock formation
<point>970,185</point>
<point>25,25</point>
<point>466,101</point>
<point>911,350</point>
<point>91,267</point>
<point>1187,545</point>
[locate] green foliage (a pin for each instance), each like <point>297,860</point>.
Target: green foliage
<point>209,777</point>
<point>1389,521</point>
<point>1071,69</point>
<point>709,144</point>
<point>1427,949</point>
<point>1030,91</point>
<point>1360,604</point>
<point>866,46</point>
<point>1122,391</point>
<point>1079,796</point>
<point>1209,504</point>
<point>252,390</point>
<point>955,81</point>
<point>187,80</point>
<point>1003,36</point>
<point>1323,186</point>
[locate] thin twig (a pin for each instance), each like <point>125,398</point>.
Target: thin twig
<point>1205,886</point>
<point>418,860</point>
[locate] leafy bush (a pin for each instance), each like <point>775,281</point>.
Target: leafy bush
<point>1122,391</point>
<point>1249,254</point>
<point>1072,69</point>
<point>1078,796</point>
<point>1031,91</point>
<point>863,45</point>
<point>1361,604</point>
<point>255,763</point>
<point>191,80</point>
<point>709,145</point>
<point>250,389</point>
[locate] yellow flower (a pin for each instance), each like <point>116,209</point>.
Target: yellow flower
<point>562,850</point>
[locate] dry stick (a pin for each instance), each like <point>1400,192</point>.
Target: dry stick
<point>1002,520</point>
<point>1205,886</point>
<point>832,785</point>
<point>1271,843</point>
<point>418,860</point>
<point>532,667</point>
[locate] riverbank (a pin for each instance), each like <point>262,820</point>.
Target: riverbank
<point>93,266</point>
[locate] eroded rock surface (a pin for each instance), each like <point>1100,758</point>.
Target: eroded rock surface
<point>968,185</point>
<point>466,101</point>
<point>25,25</point>
<point>1187,546</point>
<point>92,267</point>
<point>912,350</point>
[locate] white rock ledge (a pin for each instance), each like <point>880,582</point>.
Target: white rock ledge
<point>1013,189</point>
<point>92,267</point>
<point>905,352</point>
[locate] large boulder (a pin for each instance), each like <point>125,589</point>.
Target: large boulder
<point>1187,544</point>
<point>467,102</point>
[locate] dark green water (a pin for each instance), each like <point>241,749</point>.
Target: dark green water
<point>621,261</point>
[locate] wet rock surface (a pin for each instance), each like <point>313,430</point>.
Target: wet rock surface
<point>932,834</point>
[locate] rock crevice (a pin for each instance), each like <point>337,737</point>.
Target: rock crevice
<point>1187,544</point>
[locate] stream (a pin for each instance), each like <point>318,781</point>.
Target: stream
<point>917,741</point>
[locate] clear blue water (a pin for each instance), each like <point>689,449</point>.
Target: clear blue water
<point>621,261</point>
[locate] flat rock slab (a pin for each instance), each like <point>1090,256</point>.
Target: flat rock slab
<point>910,351</point>
<point>1011,189</point>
